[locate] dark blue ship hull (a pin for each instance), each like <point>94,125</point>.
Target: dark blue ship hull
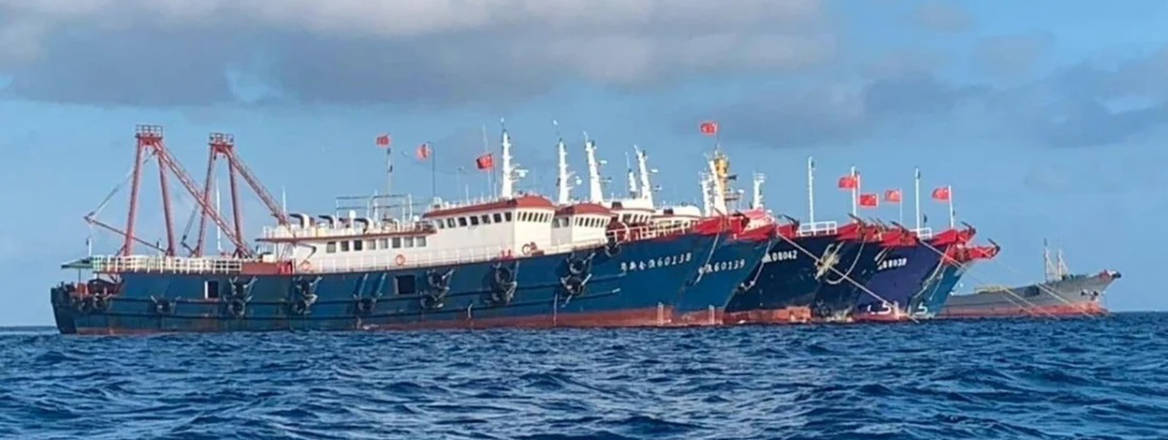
<point>937,293</point>
<point>704,300</point>
<point>638,286</point>
<point>783,286</point>
<point>903,274</point>
<point>836,298</point>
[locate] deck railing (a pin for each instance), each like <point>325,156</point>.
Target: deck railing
<point>156,264</point>
<point>817,228</point>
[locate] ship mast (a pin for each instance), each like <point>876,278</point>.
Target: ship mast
<point>917,190</point>
<point>756,195</point>
<point>643,168</point>
<point>507,184</point>
<point>594,191</point>
<point>563,175</point>
<point>810,190</point>
<point>718,188</point>
<point>632,177</point>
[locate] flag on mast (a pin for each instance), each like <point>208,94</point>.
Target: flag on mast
<point>892,196</point>
<point>849,182</point>
<point>424,151</point>
<point>485,162</point>
<point>384,140</point>
<point>942,194</point>
<point>869,200</point>
<point>709,128</point>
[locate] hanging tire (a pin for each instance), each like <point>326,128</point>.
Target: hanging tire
<point>433,301</point>
<point>163,306</point>
<point>237,307</point>
<point>365,306</point>
<point>300,306</point>
<point>573,285</point>
<point>101,303</point>
<point>503,276</point>
<point>436,279</point>
<point>612,247</point>
<point>577,267</point>
<point>502,295</point>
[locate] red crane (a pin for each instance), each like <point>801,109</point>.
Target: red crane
<point>222,144</point>
<point>150,141</point>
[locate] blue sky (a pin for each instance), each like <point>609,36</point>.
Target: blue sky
<point>1047,117</point>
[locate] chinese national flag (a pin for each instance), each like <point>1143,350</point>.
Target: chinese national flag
<point>849,182</point>
<point>384,140</point>
<point>485,162</point>
<point>942,194</point>
<point>424,151</point>
<point>709,128</point>
<point>892,196</point>
<point>869,200</point>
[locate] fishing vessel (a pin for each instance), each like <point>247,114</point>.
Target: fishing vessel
<point>912,264</point>
<point>1061,294</point>
<point>958,260</point>
<point>517,260</point>
<point>803,259</point>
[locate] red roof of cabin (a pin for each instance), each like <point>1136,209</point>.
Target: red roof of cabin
<point>583,208</point>
<point>525,201</point>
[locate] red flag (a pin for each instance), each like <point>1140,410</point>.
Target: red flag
<point>384,140</point>
<point>892,196</point>
<point>849,182</point>
<point>709,128</point>
<point>424,151</point>
<point>485,162</point>
<point>942,194</point>
<point>869,200</point>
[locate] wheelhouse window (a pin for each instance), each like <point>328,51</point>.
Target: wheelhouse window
<point>450,222</point>
<point>345,246</point>
<point>499,218</point>
<point>396,242</point>
<point>408,242</point>
<point>507,215</point>
<point>331,247</point>
<point>358,245</point>
<point>382,243</point>
<point>420,241</point>
<point>474,221</point>
<point>486,219</point>
<point>371,244</point>
<point>462,221</point>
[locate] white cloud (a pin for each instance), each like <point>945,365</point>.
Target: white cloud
<point>517,46</point>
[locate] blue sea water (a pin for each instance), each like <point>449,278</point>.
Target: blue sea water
<point>1103,378</point>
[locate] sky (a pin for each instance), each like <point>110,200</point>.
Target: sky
<point>1047,117</point>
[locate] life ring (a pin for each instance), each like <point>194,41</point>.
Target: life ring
<point>399,260</point>
<point>305,266</point>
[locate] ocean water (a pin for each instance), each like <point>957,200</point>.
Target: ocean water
<point>1103,378</point>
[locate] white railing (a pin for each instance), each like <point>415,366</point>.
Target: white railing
<point>817,228</point>
<point>318,231</point>
<point>448,257</point>
<point>139,263</point>
<point>923,233</point>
